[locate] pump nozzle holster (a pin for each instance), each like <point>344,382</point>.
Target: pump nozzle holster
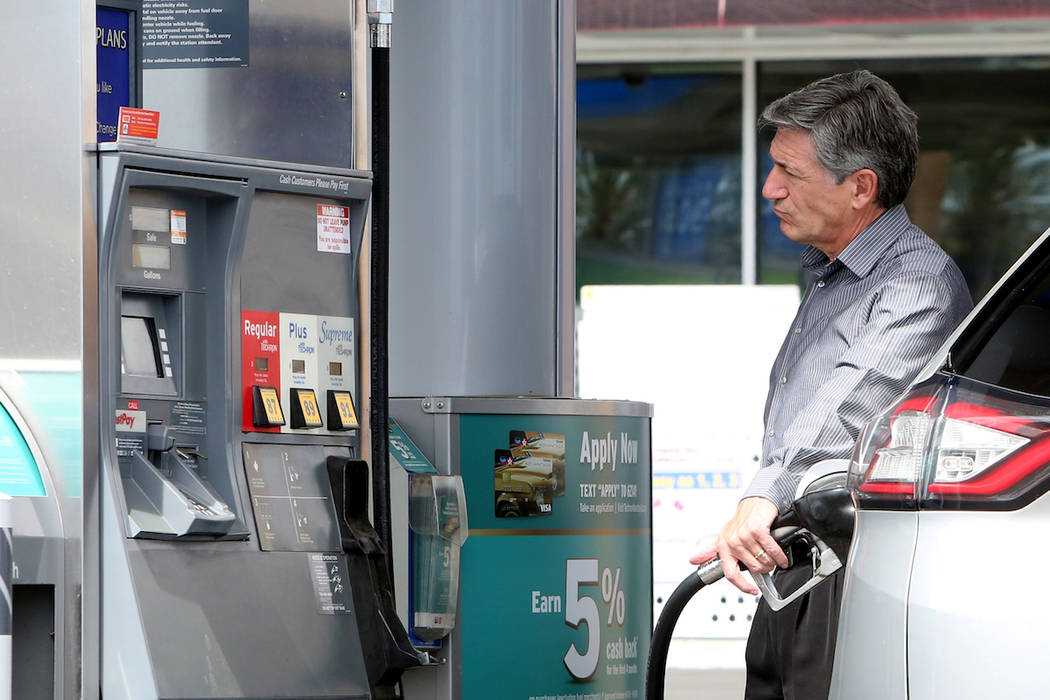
<point>384,641</point>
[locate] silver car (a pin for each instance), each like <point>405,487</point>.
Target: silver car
<point>943,594</point>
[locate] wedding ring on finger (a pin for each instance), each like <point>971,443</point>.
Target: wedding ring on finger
<point>761,554</point>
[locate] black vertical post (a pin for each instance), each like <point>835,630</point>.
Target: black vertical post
<point>380,297</point>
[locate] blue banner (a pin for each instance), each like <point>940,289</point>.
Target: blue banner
<point>113,39</point>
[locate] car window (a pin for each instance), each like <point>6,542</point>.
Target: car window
<point>1016,354</point>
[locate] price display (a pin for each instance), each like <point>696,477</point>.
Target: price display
<point>344,406</point>
<point>308,404</point>
<point>309,415</point>
<point>270,405</point>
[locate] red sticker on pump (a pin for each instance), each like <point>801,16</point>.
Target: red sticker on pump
<point>142,124</point>
<point>260,360</point>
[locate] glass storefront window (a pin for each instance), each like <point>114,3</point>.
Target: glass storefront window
<point>984,163</point>
<point>658,174</point>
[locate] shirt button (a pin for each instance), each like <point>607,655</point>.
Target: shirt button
<point>820,284</point>
<point>783,380</point>
<point>771,433</point>
<point>798,330</point>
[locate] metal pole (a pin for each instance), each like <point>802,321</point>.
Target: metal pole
<point>749,178</point>
<point>6,574</point>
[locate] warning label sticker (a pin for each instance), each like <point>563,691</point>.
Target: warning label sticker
<point>333,228</point>
<point>142,125</point>
<point>178,227</point>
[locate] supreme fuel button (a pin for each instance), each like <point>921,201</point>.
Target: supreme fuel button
<point>341,413</point>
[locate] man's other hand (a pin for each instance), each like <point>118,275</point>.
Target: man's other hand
<point>745,539</point>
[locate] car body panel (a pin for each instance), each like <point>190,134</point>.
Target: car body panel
<point>973,629</point>
<point>871,650</point>
<point>934,604</point>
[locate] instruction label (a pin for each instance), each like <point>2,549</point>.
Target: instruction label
<point>195,33</point>
<point>331,579</point>
<point>291,497</point>
<point>189,416</point>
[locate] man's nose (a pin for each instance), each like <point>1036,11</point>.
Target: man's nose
<point>773,189</point>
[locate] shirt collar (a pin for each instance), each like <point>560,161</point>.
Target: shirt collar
<point>865,250</point>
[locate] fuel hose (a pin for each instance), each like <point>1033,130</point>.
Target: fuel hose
<point>656,667</point>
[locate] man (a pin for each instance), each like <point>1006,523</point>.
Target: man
<point>881,299</point>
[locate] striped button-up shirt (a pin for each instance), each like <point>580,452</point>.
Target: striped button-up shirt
<point>868,322</point>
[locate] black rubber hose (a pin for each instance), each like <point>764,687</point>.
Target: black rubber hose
<point>656,667</point>
<point>380,295</point>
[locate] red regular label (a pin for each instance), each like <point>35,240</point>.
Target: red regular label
<point>138,123</point>
<point>260,360</point>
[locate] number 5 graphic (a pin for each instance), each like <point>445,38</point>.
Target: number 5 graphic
<point>582,572</point>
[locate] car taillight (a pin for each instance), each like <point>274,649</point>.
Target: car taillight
<point>944,449</point>
<point>966,450</point>
<point>890,453</point>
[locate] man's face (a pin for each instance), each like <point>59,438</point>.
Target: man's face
<point>812,209</point>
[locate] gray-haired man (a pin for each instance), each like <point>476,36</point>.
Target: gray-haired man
<point>882,297</point>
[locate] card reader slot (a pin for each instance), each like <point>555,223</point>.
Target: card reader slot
<point>175,505</point>
<point>186,478</point>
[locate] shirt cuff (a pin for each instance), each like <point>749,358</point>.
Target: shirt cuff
<point>774,483</point>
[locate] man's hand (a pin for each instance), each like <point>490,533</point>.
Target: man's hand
<point>746,539</point>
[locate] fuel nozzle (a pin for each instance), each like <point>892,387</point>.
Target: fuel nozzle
<point>821,519</point>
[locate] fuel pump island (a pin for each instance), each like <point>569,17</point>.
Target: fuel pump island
<point>286,383</point>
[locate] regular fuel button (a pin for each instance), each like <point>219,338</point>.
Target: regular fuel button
<point>305,413</point>
<point>266,407</point>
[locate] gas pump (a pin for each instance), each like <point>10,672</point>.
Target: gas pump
<point>228,336</point>
<point>181,384</point>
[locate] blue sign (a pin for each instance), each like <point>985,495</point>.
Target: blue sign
<point>113,75</point>
<point>406,453</point>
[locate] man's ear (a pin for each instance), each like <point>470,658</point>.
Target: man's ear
<point>865,183</point>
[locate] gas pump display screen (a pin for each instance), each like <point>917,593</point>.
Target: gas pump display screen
<point>157,257</point>
<point>138,347</point>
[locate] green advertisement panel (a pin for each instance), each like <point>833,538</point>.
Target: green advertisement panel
<point>556,590</point>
